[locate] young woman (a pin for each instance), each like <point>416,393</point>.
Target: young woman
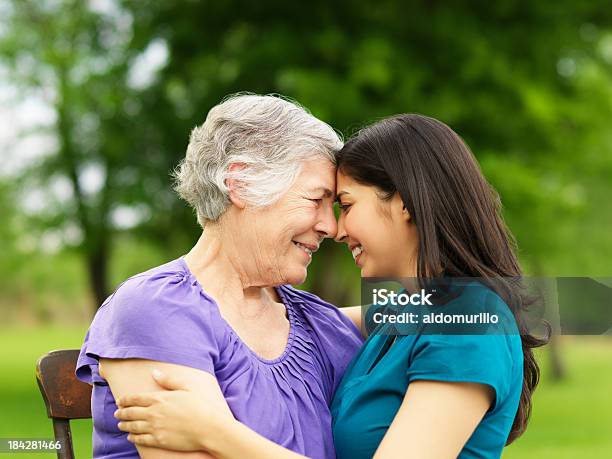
<point>413,204</point>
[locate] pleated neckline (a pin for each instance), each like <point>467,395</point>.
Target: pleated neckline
<point>290,315</point>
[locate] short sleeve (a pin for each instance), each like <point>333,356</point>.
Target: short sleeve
<point>158,317</point>
<point>484,359</point>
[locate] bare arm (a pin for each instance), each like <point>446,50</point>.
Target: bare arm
<point>186,416</point>
<point>435,420</point>
<point>240,441</point>
<point>130,376</point>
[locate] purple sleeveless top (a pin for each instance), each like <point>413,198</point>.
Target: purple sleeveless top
<point>164,315</point>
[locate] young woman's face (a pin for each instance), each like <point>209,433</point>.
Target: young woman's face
<point>380,234</point>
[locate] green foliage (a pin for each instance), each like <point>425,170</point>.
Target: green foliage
<point>527,84</point>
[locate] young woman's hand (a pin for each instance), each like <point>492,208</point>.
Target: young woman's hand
<point>183,417</point>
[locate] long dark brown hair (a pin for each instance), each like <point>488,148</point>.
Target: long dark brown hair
<point>457,214</point>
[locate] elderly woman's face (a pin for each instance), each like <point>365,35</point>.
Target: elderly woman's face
<point>288,232</point>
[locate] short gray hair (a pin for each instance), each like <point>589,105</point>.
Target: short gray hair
<point>270,135</point>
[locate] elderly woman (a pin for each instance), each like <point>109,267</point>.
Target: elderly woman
<point>260,175</point>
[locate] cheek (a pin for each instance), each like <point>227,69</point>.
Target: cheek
<point>362,225</point>
<point>378,237</point>
<point>359,225</point>
<point>302,220</point>
<point>290,225</point>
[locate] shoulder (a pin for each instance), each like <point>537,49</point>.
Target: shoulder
<point>324,319</point>
<point>160,315</point>
<point>478,325</point>
<point>307,298</point>
<point>495,360</point>
<point>317,308</point>
<point>148,284</point>
<point>163,304</point>
<point>160,290</point>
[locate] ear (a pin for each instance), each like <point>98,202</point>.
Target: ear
<point>400,208</point>
<point>234,185</point>
<point>406,215</point>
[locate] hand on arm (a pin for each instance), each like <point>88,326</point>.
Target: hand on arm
<point>435,420</point>
<point>174,436</point>
<point>191,414</point>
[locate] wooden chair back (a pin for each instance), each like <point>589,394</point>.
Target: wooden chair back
<point>65,396</point>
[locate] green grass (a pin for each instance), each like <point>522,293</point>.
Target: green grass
<point>571,418</point>
<point>22,411</point>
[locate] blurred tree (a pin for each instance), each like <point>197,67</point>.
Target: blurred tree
<point>80,59</point>
<point>527,84</point>
<point>7,233</point>
<point>60,46</point>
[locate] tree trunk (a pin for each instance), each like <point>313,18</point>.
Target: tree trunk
<point>556,363</point>
<point>95,245</point>
<point>97,263</point>
<point>549,286</point>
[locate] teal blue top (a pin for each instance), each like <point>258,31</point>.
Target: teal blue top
<point>377,379</point>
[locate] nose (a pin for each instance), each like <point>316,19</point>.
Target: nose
<point>341,233</point>
<point>327,225</point>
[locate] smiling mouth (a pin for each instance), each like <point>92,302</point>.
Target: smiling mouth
<point>356,251</point>
<point>308,250</point>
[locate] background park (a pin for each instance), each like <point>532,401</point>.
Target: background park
<point>97,99</point>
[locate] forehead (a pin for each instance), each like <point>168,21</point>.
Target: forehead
<point>344,182</point>
<point>349,187</point>
<point>319,173</point>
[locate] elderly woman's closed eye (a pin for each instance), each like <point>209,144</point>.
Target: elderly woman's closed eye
<point>260,175</point>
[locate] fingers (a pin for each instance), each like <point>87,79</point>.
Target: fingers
<point>143,439</point>
<point>146,399</point>
<point>133,413</point>
<point>136,427</point>
<point>167,381</point>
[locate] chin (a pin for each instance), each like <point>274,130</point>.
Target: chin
<point>296,276</point>
<point>365,272</point>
